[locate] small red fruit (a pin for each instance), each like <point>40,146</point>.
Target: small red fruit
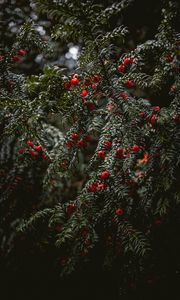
<point>107,144</point>
<point>21,151</point>
<point>101,154</point>
<point>127,61</point>
<point>93,86</point>
<point>153,120</point>
<point>33,153</point>
<point>70,209</point>
<point>119,212</point>
<point>96,78</point>
<point>69,144</point>
<point>176,118</point>
<point>58,228</point>
<point>101,186</point>
<point>156,108</point>
<point>129,84</point>
<point>30,143</point>
<point>119,153</point>
<point>22,52</point>
<point>38,148</point>
<point>15,58</point>
<point>104,175</point>
<point>81,144</point>
<point>124,95</point>
<point>74,136</point>
<point>84,93</point>
<point>121,68</point>
<point>142,114</point>
<point>44,157</point>
<point>135,148</point>
<point>67,85</point>
<point>169,58</point>
<point>92,188</point>
<point>74,81</point>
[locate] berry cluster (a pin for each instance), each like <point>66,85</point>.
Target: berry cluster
<point>33,151</point>
<point>122,68</point>
<point>20,53</point>
<point>77,140</point>
<point>85,88</point>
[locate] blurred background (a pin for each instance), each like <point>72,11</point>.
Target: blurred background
<point>142,19</point>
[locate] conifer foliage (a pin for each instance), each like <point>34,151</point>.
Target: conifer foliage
<point>120,116</point>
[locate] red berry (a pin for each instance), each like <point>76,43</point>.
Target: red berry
<point>135,148</point>
<point>104,175</point>
<point>93,86</point>
<point>156,108</point>
<point>30,143</point>
<point>22,52</point>
<point>70,209</point>
<point>33,153</point>
<point>74,136</point>
<point>176,119</point>
<point>15,58</point>
<point>169,58</point>
<point>124,95</point>
<point>129,84</point>
<point>38,148</point>
<point>110,107</point>
<point>69,144</point>
<point>119,212</point>
<point>126,151</point>
<point>127,61</point>
<point>96,78</point>
<point>153,119</point>
<point>107,144</point>
<point>67,85</point>
<point>121,68</point>
<point>58,228</point>
<point>101,154</point>
<point>74,81</point>
<point>44,157</point>
<point>81,144</point>
<point>101,186</point>
<point>1,57</point>
<point>21,151</point>
<point>84,93</point>
<point>119,153</point>
<point>142,114</point>
<point>92,188</point>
